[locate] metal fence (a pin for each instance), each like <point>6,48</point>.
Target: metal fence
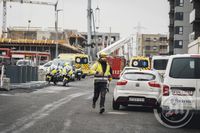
<point>21,74</point>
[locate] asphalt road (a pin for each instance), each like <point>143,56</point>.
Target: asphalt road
<point>58,109</point>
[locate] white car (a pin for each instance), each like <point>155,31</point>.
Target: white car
<point>45,66</point>
<point>25,62</point>
<point>137,87</point>
<point>181,90</point>
<point>55,63</point>
<point>159,63</point>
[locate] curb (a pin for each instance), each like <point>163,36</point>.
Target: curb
<point>30,85</point>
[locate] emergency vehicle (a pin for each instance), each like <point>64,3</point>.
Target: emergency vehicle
<point>140,62</point>
<point>117,64</point>
<point>81,61</point>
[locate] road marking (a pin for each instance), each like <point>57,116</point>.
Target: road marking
<point>6,95</point>
<point>51,90</point>
<point>28,121</point>
<point>117,113</point>
<point>90,97</point>
<point>67,124</point>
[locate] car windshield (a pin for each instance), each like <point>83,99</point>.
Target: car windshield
<point>185,68</point>
<point>160,64</point>
<point>62,62</point>
<point>138,76</point>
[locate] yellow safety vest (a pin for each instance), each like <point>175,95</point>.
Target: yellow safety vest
<point>98,68</point>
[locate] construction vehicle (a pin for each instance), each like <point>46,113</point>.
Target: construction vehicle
<point>118,62</point>
<point>4,23</point>
<point>81,61</point>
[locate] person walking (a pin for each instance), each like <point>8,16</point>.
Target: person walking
<point>102,76</point>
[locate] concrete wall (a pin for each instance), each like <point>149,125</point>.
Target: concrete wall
<point>194,47</point>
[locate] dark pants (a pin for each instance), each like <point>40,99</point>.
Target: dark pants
<point>100,89</point>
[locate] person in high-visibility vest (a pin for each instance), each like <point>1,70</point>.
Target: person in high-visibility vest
<point>102,76</point>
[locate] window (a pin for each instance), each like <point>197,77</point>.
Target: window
<point>178,44</point>
<point>185,68</point>
<point>160,64</point>
<point>147,39</point>
<point>179,30</point>
<point>139,76</point>
<point>179,16</point>
<point>154,47</point>
<point>147,48</point>
<point>179,3</point>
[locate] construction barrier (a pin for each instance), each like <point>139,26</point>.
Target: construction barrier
<point>21,74</point>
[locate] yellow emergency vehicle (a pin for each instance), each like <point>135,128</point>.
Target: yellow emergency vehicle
<point>81,61</point>
<point>141,62</point>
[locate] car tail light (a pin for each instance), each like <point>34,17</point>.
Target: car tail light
<point>123,82</point>
<point>154,84</point>
<point>165,90</point>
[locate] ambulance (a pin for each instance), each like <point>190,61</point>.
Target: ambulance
<point>141,62</point>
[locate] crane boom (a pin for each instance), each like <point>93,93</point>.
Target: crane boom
<point>4,28</point>
<point>32,2</point>
<point>118,44</point>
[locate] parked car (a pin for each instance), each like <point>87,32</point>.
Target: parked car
<point>45,66</point>
<point>24,62</point>
<point>136,87</point>
<point>181,88</point>
<point>159,63</point>
<point>56,62</point>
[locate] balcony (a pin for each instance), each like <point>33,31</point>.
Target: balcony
<point>195,15</point>
<point>191,36</point>
<point>192,16</point>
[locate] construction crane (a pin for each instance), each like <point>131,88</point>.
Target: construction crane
<point>4,28</point>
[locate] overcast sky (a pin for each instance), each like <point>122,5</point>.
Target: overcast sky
<point>121,15</point>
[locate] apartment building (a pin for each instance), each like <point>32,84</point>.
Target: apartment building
<point>195,20</point>
<point>179,26</point>
<point>152,44</point>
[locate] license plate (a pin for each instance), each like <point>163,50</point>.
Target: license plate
<point>135,99</point>
<point>48,76</point>
<point>182,93</point>
<point>79,73</point>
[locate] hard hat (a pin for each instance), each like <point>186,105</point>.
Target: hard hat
<point>103,55</point>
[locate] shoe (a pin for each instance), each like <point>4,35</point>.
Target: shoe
<point>93,105</point>
<point>102,110</point>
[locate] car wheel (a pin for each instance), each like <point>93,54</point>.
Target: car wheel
<point>179,120</point>
<point>115,105</point>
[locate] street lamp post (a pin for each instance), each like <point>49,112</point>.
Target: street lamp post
<point>56,28</point>
<point>29,21</point>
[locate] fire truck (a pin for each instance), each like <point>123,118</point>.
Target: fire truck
<point>117,64</point>
<point>14,55</point>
